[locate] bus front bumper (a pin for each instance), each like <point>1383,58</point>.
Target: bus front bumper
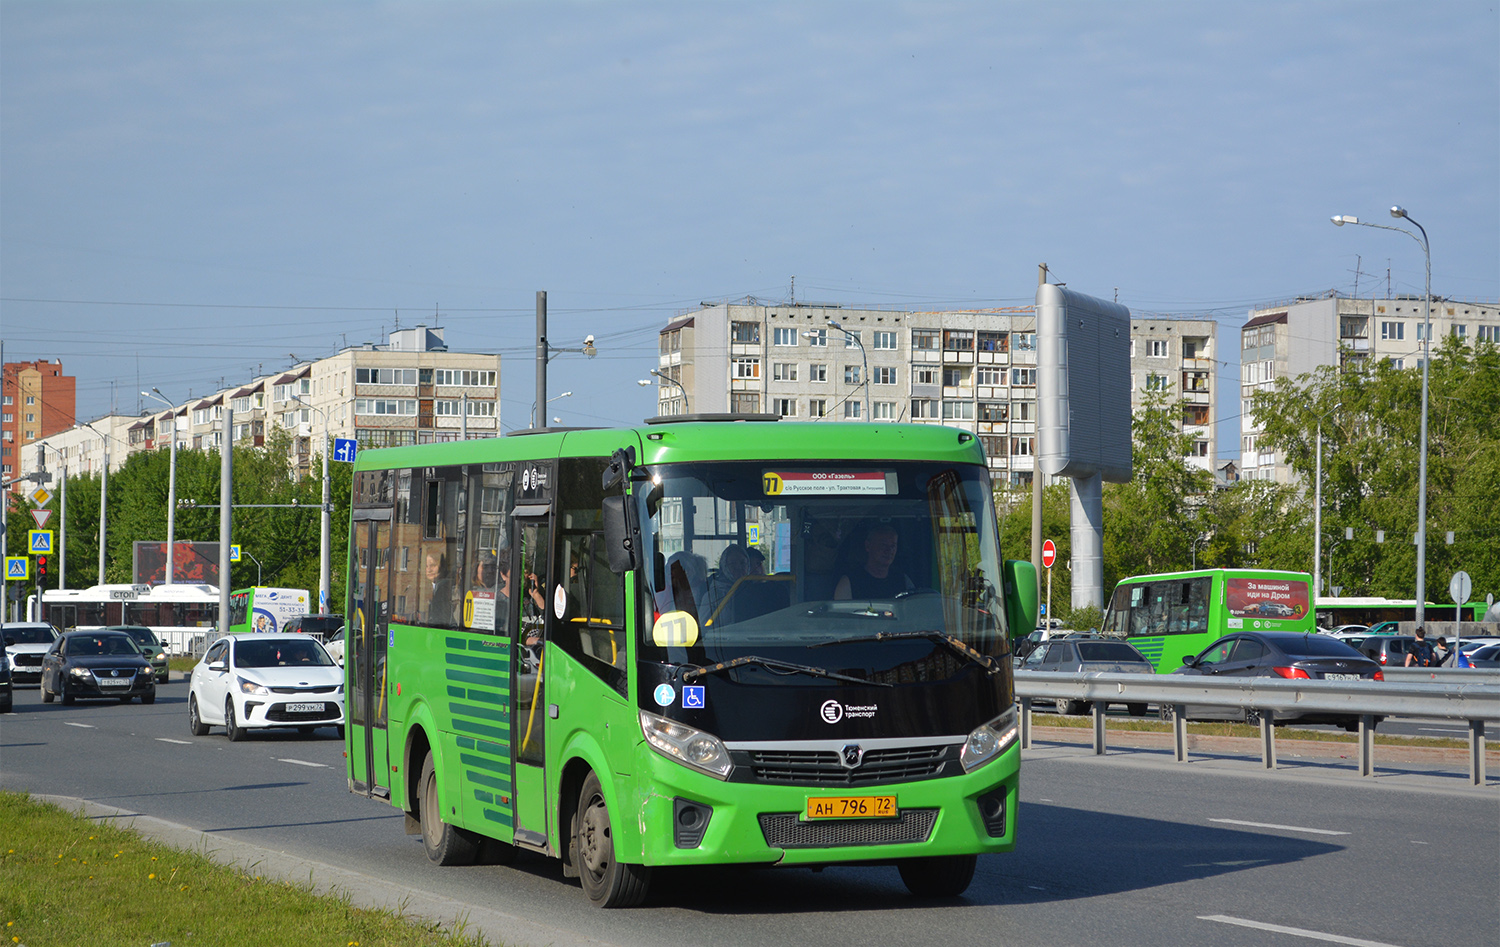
<point>687,818</point>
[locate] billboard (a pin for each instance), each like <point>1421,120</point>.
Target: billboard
<point>191,563</point>
<point>1083,385</point>
<point>1266,598</point>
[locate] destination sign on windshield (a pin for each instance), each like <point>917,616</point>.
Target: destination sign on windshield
<point>828,482</point>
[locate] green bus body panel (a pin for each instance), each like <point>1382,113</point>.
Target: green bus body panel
<point>1167,651</point>
<point>454,686</point>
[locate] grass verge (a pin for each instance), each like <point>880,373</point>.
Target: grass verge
<point>65,879</point>
<point>1208,729</point>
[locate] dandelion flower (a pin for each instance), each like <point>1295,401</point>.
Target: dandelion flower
<point>151,876</point>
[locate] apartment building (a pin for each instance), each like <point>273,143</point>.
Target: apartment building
<point>1292,338</point>
<point>38,401</point>
<point>1180,358</point>
<point>408,390</point>
<point>972,369</point>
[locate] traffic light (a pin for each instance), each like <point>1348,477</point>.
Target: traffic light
<point>41,570</point>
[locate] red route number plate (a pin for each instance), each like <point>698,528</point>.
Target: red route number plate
<point>851,807</point>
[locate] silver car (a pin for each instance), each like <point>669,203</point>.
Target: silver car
<point>1075,655</point>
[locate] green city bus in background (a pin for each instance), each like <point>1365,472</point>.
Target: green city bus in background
<point>1171,616</point>
<point>673,645</point>
<point>262,608</point>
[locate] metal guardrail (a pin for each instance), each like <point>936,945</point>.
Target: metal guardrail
<point>1453,694</point>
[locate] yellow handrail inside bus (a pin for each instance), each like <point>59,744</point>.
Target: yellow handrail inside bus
<point>536,690</point>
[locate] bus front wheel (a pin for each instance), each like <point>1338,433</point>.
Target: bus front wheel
<point>607,882</point>
<point>445,844</point>
<point>940,876</point>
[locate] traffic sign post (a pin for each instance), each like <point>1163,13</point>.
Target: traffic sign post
<point>1459,589</point>
<point>1049,556</point>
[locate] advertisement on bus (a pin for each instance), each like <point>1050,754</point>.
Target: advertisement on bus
<point>1265,598</point>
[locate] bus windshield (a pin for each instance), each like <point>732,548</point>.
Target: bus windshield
<point>745,556</point>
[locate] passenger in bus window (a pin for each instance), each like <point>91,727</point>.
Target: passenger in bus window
<point>438,589</point>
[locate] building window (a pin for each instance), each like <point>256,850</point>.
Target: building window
<point>1397,363</point>
<point>925,340</point>
<point>1155,382</point>
<point>375,438</point>
<point>744,402</point>
<point>958,410</point>
<point>924,376</point>
<point>481,409</point>
<point>994,411</point>
<point>1460,330</point>
<point>1195,381</point>
<point>744,333</point>
<point>958,340</point>
<point>1195,348</point>
<point>746,368</point>
<point>671,342</point>
<point>1421,331</point>
<point>817,337</point>
<point>1158,348</point>
<point>382,376</point>
<point>31,399</point>
<point>1023,376</point>
<point>1022,446</point>
<point>784,336</point>
<point>1200,449</point>
<point>1025,411</point>
<point>993,446</point>
<point>885,339</point>
<point>783,371</point>
<point>956,377</point>
<point>883,375</point>
<point>446,409</point>
<point>924,409</point>
<point>30,417</point>
<point>883,411</point>
<point>851,374</point>
<point>400,407</point>
<point>786,407</point>
<point>1488,334</point>
<point>817,407</point>
<point>851,338</point>
<point>9,418</point>
<point>1195,414</point>
<point>817,372</point>
<point>994,341</point>
<point>1393,330</point>
<point>851,410</point>
<point>1025,341</point>
<point>990,376</point>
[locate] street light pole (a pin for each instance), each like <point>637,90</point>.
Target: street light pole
<point>171,489</point>
<point>534,421</point>
<point>1339,221</point>
<point>686,408</point>
<point>325,526</point>
<point>1318,516</point>
<point>864,360</point>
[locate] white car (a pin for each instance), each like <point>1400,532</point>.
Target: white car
<point>260,681</point>
<point>27,642</point>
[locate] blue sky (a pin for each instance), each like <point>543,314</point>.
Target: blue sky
<point>192,192</point>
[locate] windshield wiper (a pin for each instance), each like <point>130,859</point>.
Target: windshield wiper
<point>773,665</point>
<point>954,643</point>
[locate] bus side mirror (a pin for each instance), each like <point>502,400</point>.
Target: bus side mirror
<point>619,547</point>
<point>1021,601</point>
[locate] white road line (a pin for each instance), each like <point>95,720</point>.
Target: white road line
<point>1295,931</point>
<point>1284,828</point>
<point>170,740</point>
<point>86,726</point>
<point>305,763</point>
<point>1441,730</point>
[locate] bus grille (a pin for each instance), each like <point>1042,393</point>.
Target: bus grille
<point>786,830</point>
<point>822,767</point>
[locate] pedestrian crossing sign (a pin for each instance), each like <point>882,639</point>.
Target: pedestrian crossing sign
<point>40,541</point>
<point>17,567</point>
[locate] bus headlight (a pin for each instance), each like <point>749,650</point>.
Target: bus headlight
<point>687,745</point>
<point>248,686</point>
<point>989,741</point>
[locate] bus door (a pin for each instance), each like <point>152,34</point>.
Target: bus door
<point>365,701</point>
<point>529,619</point>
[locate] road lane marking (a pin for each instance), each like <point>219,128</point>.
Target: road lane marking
<point>86,726</point>
<point>170,740</point>
<point>1284,828</point>
<point>1440,730</point>
<point>1295,931</point>
<point>305,763</point>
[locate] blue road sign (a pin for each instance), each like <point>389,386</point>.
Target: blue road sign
<point>17,567</point>
<point>344,448</point>
<point>41,541</point>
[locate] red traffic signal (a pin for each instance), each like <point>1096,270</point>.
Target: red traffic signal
<point>41,567</point>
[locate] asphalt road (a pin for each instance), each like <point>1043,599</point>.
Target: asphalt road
<point>1129,848</point>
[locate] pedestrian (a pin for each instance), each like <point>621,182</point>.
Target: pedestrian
<point>1421,653</point>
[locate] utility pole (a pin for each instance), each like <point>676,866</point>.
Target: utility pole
<point>226,495</point>
<point>540,420</point>
<point>1036,474</point>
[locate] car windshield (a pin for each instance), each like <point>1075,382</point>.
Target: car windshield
<point>1109,651</point>
<point>144,636</point>
<point>1313,646</point>
<point>1489,652</point>
<point>741,557</point>
<point>93,645</point>
<point>29,634</point>
<point>280,653</point>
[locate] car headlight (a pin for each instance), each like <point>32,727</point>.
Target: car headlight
<point>687,745</point>
<point>80,672</point>
<point>248,686</point>
<point>989,741</point>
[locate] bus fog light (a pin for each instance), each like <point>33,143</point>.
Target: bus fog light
<point>989,741</point>
<point>687,745</point>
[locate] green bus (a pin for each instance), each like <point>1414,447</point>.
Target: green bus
<point>1173,615</point>
<point>265,609</point>
<point>1371,611</point>
<point>707,640</point>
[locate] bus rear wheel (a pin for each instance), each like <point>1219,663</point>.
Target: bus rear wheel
<point>940,876</point>
<point>445,844</point>
<point>607,882</point>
